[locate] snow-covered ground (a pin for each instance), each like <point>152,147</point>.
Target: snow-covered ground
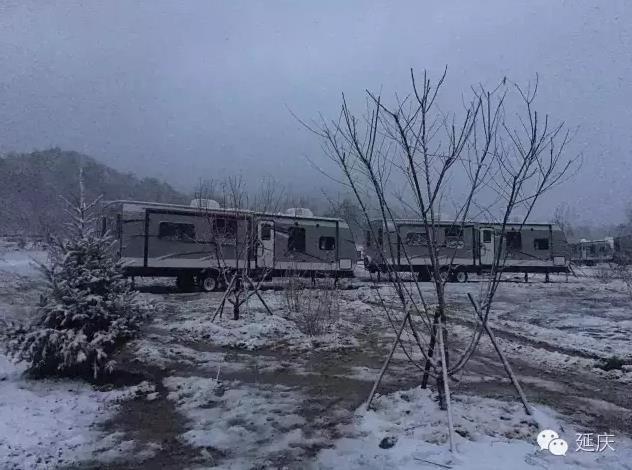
<point>256,329</point>
<point>579,316</point>
<point>50,423</point>
<point>21,262</point>
<point>489,434</point>
<point>261,392</point>
<point>19,281</point>
<point>264,420</point>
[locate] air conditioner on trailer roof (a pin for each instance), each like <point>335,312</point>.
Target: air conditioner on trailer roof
<point>299,212</point>
<point>205,204</point>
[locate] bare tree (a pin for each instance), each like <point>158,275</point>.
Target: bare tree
<point>232,236</point>
<point>564,218</point>
<point>344,207</point>
<point>268,197</point>
<point>482,163</point>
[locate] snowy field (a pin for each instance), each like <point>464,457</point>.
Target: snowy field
<point>262,393</point>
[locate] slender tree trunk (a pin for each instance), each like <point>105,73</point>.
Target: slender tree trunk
<point>431,348</point>
<point>237,289</point>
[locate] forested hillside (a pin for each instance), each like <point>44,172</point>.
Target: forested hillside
<point>31,185</point>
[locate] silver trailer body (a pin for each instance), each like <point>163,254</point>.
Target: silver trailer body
<point>173,240</point>
<point>591,252</point>
<point>609,250</point>
<point>471,247</point>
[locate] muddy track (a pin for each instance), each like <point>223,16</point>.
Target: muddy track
<point>508,335</point>
<point>525,341</point>
<point>590,402</point>
<point>151,423</point>
<point>332,399</point>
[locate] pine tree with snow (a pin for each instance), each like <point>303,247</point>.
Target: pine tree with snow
<point>88,309</point>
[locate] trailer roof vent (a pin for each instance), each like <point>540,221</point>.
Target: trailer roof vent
<point>299,212</point>
<point>205,203</point>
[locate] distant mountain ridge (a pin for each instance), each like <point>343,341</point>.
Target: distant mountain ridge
<point>31,183</point>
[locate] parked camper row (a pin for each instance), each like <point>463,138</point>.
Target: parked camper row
<point>201,242</point>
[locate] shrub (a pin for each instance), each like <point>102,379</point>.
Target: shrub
<point>314,310</point>
<point>605,274</point>
<point>611,363</point>
<point>87,310</point>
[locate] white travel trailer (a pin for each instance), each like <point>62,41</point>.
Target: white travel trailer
<point>467,248</point>
<point>197,243</point>
<point>609,250</point>
<point>591,252</point>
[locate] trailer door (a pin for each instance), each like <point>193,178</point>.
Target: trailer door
<point>487,245</point>
<point>265,247</point>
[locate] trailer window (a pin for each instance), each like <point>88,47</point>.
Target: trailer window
<point>514,240</point>
<point>327,243</point>
<point>266,232</point>
<point>487,236</point>
<point>416,238</point>
<point>453,232</point>
<point>368,238</point>
<point>224,227</point>
<point>541,243</point>
<point>296,239</point>
<point>176,231</point>
<point>380,236</point>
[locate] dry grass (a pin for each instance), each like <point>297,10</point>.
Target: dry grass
<point>314,308</point>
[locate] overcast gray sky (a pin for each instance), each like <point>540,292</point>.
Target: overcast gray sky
<point>190,89</point>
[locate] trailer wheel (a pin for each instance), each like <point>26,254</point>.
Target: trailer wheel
<point>444,275</point>
<point>209,283</point>
<point>461,276</point>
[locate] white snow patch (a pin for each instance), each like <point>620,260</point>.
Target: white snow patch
<point>490,434</point>
<point>256,330</point>
<point>22,262</point>
<point>162,355</point>
<point>47,423</point>
<point>249,332</point>
<point>249,424</point>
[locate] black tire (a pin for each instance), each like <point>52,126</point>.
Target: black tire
<point>460,276</point>
<point>209,283</point>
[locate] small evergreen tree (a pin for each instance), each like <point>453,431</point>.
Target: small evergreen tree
<point>88,309</point>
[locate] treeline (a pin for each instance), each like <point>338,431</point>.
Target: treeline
<point>577,229</point>
<point>31,185</point>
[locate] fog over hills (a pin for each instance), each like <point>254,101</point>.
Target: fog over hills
<point>31,185</point>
